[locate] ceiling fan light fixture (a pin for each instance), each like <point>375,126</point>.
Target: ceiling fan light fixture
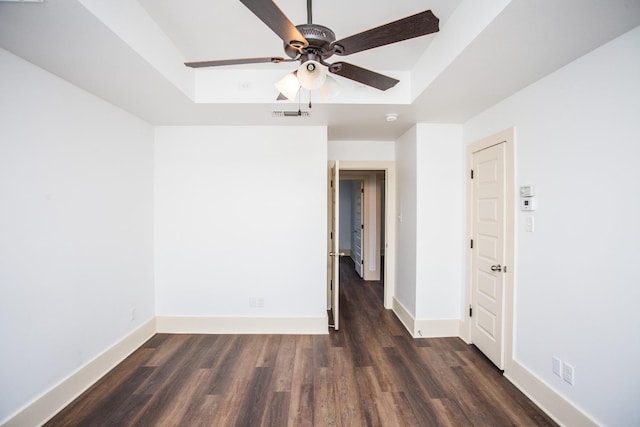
<point>289,86</point>
<point>311,75</point>
<point>330,89</point>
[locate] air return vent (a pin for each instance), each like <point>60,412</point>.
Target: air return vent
<point>290,113</point>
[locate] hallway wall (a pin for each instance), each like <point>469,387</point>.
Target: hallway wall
<point>430,237</point>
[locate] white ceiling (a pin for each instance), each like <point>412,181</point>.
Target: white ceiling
<point>204,29</point>
<point>455,73</point>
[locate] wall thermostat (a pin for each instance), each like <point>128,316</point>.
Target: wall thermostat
<point>527,204</point>
<point>527,191</point>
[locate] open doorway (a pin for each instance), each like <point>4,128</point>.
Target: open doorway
<point>382,256</point>
<point>362,207</point>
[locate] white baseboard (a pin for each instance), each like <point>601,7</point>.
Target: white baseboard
<point>437,328</point>
<point>403,314</point>
<point>41,409</point>
<point>426,328</point>
<point>243,325</point>
<point>550,401</point>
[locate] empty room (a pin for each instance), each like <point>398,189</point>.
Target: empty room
<point>290,212</point>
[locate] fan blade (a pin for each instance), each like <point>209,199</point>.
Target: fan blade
<point>410,27</point>
<point>362,75</point>
<point>221,62</point>
<point>273,17</point>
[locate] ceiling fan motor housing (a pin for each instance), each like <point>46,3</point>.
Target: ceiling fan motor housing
<point>319,38</point>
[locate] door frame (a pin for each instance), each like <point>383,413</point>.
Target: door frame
<point>390,217</point>
<point>334,250</point>
<point>507,137</point>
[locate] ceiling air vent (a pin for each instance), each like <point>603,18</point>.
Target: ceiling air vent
<point>290,113</point>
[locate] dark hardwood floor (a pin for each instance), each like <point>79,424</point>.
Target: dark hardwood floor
<point>370,373</point>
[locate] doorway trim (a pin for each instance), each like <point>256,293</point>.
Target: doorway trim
<point>508,138</point>
<point>389,169</point>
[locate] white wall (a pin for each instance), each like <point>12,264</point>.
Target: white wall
<point>76,231</point>
<point>441,222</point>
<point>577,288</point>
<point>430,234</point>
<point>369,151</point>
<point>406,228</point>
<point>240,213</point>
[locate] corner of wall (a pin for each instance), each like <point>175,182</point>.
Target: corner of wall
<point>556,406</point>
<point>41,409</point>
<point>403,315</point>
<point>437,328</point>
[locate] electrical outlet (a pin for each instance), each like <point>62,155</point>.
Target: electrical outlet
<point>567,373</point>
<point>256,302</point>
<point>556,366</point>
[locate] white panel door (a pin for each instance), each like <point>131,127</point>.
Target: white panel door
<point>487,298</point>
<point>357,225</point>
<point>334,253</point>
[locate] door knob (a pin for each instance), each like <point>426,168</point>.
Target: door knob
<point>496,267</point>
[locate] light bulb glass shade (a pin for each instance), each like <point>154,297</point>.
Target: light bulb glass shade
<point>289,86</point>
<point>311,75</point>
<point>330,89</point>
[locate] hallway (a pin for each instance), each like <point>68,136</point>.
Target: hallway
<point>436,381</point>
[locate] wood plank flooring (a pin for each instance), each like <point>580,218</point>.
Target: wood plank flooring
<point>370,373</point>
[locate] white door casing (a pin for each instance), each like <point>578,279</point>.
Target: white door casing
<point>390,221</point>
<point>334,253</point>
<point>490,220</point>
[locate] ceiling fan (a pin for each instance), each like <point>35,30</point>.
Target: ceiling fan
<point>312,44</point>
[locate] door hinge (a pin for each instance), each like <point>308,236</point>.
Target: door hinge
<point>504,269</point>
<point>362,261</point>
<point>471,173</point>
<point>331,183</point>
<point>362,190</point>
<point>471,243</point>
<point>362,226</point>
<point>331,284</point>
<point>332,235</point>
<point>470,311</point>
